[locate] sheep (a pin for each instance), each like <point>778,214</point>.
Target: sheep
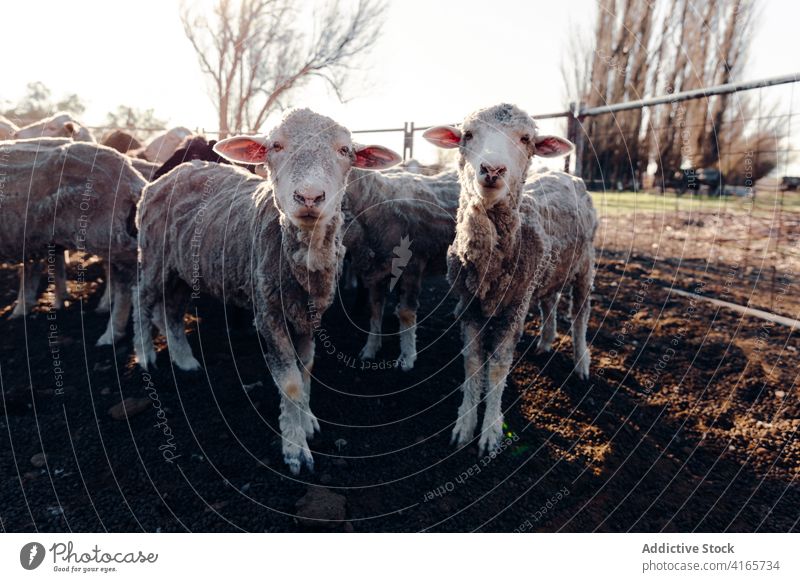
<point>77,195</point>
<point>512,249</point>
<point>161,147</point>
<point>272,245</point>
<point>7,128</point>
<point>402,225</point>
<point>59,125</point>
<point>62,125</point>
<point>121,141</point>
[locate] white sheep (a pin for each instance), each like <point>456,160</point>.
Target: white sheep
<point>512,249</point>
<point>58,125</point>
<point>402,224</point>
<point>272,245</point>
<point>162,146</point>
<point>75,195</point>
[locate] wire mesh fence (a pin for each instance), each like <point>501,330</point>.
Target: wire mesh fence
<point>705,192</point>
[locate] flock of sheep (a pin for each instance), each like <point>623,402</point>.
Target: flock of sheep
<point>274,240</point>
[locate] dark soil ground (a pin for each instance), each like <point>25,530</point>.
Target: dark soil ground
<point>688,423</point>
<point>747,259</point>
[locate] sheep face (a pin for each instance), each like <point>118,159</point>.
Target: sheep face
<point>496,146</point>
<point>59,125</point>
<point>308,157</point>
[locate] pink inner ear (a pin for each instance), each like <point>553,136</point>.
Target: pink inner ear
<point>247,151</point>
<point>550,145</point>
<point>373,157</point>
<point>443,136</point>
<point>256,152</point>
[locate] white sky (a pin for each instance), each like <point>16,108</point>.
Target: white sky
<point>436,60</point>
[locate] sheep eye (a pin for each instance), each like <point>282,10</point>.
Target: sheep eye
<point>526,139</point>
<point>276,147</point>
<point>344,150</point>
<point>467,135</point>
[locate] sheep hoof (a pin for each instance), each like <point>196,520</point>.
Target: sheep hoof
<point>368,353</point>
<point>295,457</point>
<point>188,364</point>
<point>582,367</point>
<point>17,313</point>
<point>407,362</point>
<point>490,437</point>
<point>463,430</point>
<point>147,361</point>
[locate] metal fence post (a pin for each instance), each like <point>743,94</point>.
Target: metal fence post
<point>570,132</point>
<point>576,115</point>
<point>408,140</point>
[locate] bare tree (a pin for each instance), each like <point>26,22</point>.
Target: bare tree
<point>653,47</point>
<point>257,53</point>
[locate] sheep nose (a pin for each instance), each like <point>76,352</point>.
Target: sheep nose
<point>492,173</point>
<point>309,199</point>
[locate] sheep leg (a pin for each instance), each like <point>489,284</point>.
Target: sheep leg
<point>548,306</point>
<point>349,276</point>
<point>60,278</point>
<point>467,420</point>
<point>146,295</point>
<point>377,299</point>
<point>120,307</point>
<point>580,309</point>
<point>176,297</point>
<point>29,276</point>
<point>282,360</point>
<point>305,351</point>
<point>498,366</point>
<point>105,301</point>
<point>407,314</point>
<point>159,320</point>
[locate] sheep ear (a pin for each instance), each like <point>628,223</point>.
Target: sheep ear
<point>444,136</point>
<point>70,127</point>
<point>375,157</point>
<point>551,146</point>
<point>242,149</point>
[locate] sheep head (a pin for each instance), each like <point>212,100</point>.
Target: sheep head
<point>308,157</point>
<point>496,146</point>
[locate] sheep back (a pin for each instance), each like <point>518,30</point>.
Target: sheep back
<point>387,206</point>
<point>79,195</point>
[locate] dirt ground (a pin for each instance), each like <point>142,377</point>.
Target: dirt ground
<point>745,258</point>
<point>688,422</point>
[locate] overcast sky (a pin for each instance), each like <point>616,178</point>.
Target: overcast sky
<point>435,61</point>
